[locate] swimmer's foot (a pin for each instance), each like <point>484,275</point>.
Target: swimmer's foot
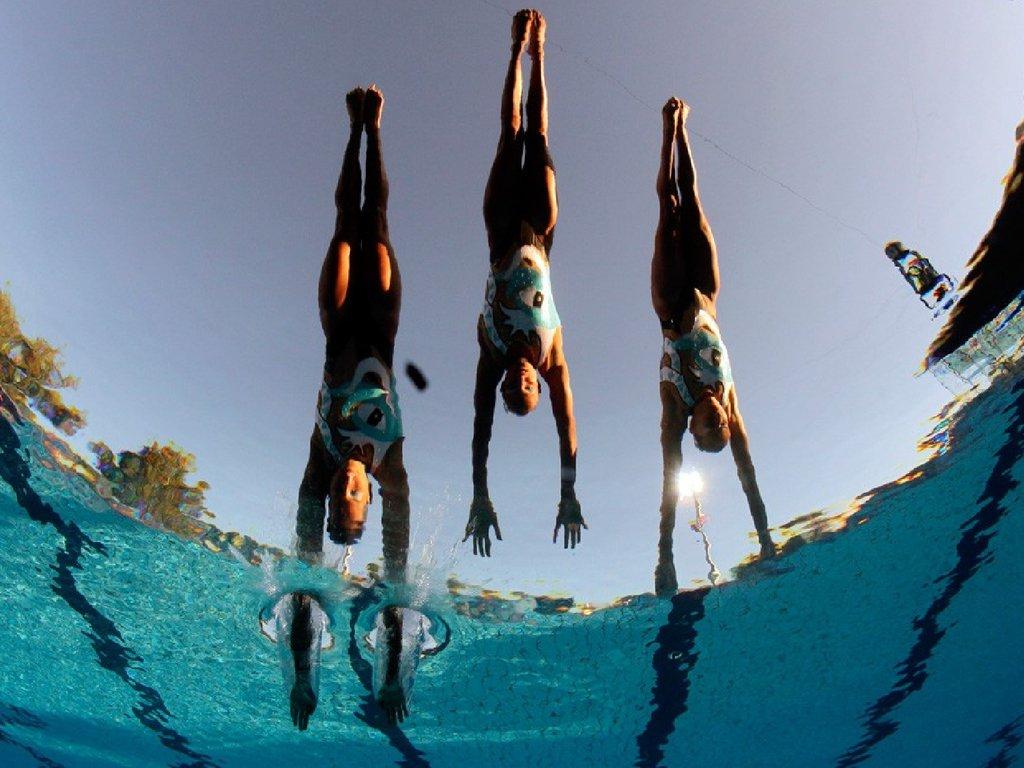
<point>354,104</point>
<point>683,114</point>
<point>768,551</point>
<point>538,34</point>
<point>665,583</point>
<point>670,116</point>
<point>303,701</point>
<point>373,105</point>
<point>521,24</point>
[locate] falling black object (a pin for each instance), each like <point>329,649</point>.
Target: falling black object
<point>416,376</point>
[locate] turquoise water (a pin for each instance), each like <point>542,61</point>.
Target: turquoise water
<point>889,635</point>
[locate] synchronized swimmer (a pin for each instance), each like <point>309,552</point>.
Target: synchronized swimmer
<point>358,430</point>
<point>519,331</point>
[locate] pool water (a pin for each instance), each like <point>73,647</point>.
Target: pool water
<point>887,635</point>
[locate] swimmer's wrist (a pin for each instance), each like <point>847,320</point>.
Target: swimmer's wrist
<point>568,481</point>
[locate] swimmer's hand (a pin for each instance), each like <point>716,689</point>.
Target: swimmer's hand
<point>570,519</point>
<point>481,518</point>
<point>392,702</point>
<point>303,701</point>
<point>665,583</point>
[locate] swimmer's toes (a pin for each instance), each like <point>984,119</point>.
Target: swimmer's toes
<point>373,106</point>
<point>354,104</point>
<point>521,25</point>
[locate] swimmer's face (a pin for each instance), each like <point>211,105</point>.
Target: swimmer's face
<point>710,425</point>
<point>520,388</point>
<point>349,499</point>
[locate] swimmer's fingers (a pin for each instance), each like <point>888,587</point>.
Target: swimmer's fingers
<point>570,519</point>
<point>394,705</point>
<point>481,519</point>
<point>303,704</point>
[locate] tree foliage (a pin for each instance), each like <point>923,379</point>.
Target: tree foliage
<point>30,372</point>
<point>152,481</point>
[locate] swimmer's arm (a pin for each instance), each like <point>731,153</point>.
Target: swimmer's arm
<point>488,374</point>
<point>394,493</point>
<point>673,425</point>
<point>309,522</point>
<point>740,446</point>
<point>557,377</point>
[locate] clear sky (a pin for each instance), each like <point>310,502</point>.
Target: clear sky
<point>166,201</point>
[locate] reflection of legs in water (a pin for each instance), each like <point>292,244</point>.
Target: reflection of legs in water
<point>697,244</point>
<point>538,170</point>
<point>521,190</point>
<point>378,267</point>
<point>501,196</point>
<point>336,271</point>
<point>392,697</point>
<point>667,273</point>
<point>668,289</point>
<point>300,640</point>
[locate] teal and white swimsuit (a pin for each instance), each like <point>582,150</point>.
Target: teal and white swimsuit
<point>368,413</point>
<point>518,304</point>
<point>703,354</point>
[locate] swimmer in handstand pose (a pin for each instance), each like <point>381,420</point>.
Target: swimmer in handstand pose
<point>358,422</point>
<point>519,331</point>
<point>696,378</point>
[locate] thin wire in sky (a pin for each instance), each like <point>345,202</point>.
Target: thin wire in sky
<point>588,62</point>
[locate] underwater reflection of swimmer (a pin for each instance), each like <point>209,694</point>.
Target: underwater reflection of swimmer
<point>399,639</point>
<point>519,331</point>
<point>696,377</point>
<point>358,420</point>
<point>298,624</point>
<point>995,273</point>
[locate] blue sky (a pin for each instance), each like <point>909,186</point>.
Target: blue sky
<point>166,201</point>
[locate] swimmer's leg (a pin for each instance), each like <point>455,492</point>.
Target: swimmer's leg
<point>539,171</point>
<point>698,252</point>
<point>303,695</point>
<point>667,270</point>
<point>336,271</point>
<point>501,196</point>
<point>381,275</point>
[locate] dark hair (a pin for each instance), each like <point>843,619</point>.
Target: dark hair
<point>515,402</point>
<point>712,441</point>
<point>896,244</point>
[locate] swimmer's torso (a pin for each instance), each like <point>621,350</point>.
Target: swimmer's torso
<point>357,411</point>
<point>694,358</point>
<point>519,315</point>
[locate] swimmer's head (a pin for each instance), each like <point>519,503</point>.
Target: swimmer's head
<point>1019,133</point>
<point>709,425</point>
<point>350,496</point>
<point>520,389</point>
<point>894,248</point>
